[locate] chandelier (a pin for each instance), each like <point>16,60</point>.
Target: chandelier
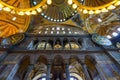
<point>75,4</point>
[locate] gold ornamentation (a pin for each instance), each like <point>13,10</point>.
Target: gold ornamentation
<point>22,11</point>
<point>77,4</point>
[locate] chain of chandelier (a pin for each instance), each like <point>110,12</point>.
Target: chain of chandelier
<point>74,3</point>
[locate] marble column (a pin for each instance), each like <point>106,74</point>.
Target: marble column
<point>67,72</point>
<point>84,44</point>
<point>62,43</point>
<point>86,73</point>
<point>48,71</point>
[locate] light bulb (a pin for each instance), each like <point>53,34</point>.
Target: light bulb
<point>14,18</point>
<point>58,20</point>
<point>115,34</point>
<point>42,14</point>
<point>104,10</point>
<point>13,12</point>
<point>39,10</point>
<point>111,7</point>
<point>118,29</point>
<point>99,20</point>
<point>109,37</point>
<point>91,12</point>
<point>70,2</point>
<point>34,2</point>
<point>27,12</point>
<point>7,9</point>
<point>34,12</point>
<point>61,20</point>
<point>49,2</point>
<point>45,16</point>
<point>74,6</point>
<point>51,19</point>
<point>85,11</point>
<point>44,6</point>
<point>97,11</point>
<point>1,6</point>
<point>48,17</point>
<point>0,9</point>
<point>20,13</point>
<point>117,3</point>
<point>51,32</point>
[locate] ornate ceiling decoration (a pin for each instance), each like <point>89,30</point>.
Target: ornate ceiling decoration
<point>58,11</point>
<point>15,14</point>
<point>21,10</point>
<point>104,23</point>
<point>12,40</point>
<point>90,8</point>
<point>12,23</point>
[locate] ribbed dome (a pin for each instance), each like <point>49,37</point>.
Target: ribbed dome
<point>95,3</point>
<point>58,11</point>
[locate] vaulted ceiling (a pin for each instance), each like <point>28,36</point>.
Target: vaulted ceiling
<point>59,12</point>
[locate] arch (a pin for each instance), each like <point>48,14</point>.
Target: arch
<point>40,69</point>
<point>80,41</point>
<point>42,59</point>
<point>74,57</point>
<point>90,60</point>
<point>91,67</point>
<point>75,68</point>
<point>58,44</point>
<point>72,40</point>
<point>66,44</point>
<point>44,45</point>
<point>76,76</point>
<point>51,41</point>
<point>33,44</point>
<point>23,67</point>
<point>58,59</point>
<point>58,68</point>
<point>75,46</point>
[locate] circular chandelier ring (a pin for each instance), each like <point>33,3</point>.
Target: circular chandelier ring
<point>26,9</point>
<point>94,8</point>
<point>76,4</point>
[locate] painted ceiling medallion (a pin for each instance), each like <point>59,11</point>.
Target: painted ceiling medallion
<point>101,40</point>
<point>58,11</point>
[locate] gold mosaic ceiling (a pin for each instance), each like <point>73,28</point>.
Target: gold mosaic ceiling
<point>12,23</point>
<point>58,12</point>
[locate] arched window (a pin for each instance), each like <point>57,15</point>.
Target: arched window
<point>67,46</point>
<point>73,78</point>
<point>74,45</point>
<point>58,44</point>
<point>41,46</point>
<point>42,78</point>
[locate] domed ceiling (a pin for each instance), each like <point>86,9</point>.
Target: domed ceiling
<point>58,11</point>
<point>93,16</point>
